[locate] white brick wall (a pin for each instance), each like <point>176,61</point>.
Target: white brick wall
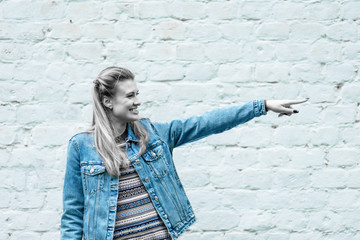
<point>273,178</point>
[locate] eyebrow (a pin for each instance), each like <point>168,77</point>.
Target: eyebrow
<point>132,92</point>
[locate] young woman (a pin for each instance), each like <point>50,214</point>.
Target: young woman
<point>120,180</point>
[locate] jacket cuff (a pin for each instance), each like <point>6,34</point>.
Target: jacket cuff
<point>259,107</point>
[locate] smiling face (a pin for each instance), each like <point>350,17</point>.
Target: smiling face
<point>125,102</point>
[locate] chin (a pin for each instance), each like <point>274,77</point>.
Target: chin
<point>133,119</point>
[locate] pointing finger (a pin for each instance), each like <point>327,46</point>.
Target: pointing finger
<point>289,102</point>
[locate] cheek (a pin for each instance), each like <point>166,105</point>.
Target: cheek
<point>119,110</point>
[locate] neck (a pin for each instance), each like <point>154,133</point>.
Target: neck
<point>120,128</point>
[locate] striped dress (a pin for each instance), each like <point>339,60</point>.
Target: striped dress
<point>136,217</point>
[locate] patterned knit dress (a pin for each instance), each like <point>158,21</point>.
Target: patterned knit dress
<point>136,217</point>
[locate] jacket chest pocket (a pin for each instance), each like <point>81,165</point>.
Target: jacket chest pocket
<point>93,177</point>
<point>154,159</point>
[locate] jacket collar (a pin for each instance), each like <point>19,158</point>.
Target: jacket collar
<point>131,134</point>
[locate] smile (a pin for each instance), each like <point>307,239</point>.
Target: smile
<point>133,110</point>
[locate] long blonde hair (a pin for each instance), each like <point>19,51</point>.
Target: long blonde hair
<point>103,129</point>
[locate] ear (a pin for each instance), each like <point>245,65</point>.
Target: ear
<point>107,102</point>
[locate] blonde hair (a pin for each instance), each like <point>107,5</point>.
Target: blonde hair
<point>103,129</point>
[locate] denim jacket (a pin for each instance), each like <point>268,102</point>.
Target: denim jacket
<point>90,193</point>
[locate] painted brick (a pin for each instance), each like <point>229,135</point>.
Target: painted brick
<point>200,198</point>
<point>190,52</point>
<point>273,31</point>
<point>289,10</point>
<point>343,157</point>
<point>324,51</point>
<point>203,32</point>
<point>306,72</point>
<point>291,220</point>
<point>200,72</point>
<point>292,52</point>
<point>256,221</point>
<point>325,136</point>
<point>98,30</point>
<point>65,30</point>
<point>222,52</point>
<point>329,178</point>
<point>221,10</point>
<point>340,72</point>
<point>350,10</point>
<point>23,31</point>
<point>343,32</point>
<point>306,32</point>
<point>235,72</point>
<point>169,30</point>
<point>85,51</point>
<point>288,135</point>
<point>237,31</point>
<point>155,51</point>
<point>288,178</point>
<point>154,9</point>
<point>81,11</point>
<point>40,10</point>
<point>6,198</point>
<point>323,11</point>
<point>272,72</point>
<point>339,114</point>
<point>174,72</point>
<point>225,220</point>
<point>258,52</point>
<point>255,10</point>
<point>133,30</point>
<point>117,10</point>
<point>188,10</point>
<point>350,136</point>
<point>306,158</point>
<point>43,221</point>
<point>15,51</point>
<point>48,51</point>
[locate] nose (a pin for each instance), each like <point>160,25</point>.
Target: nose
<point>137,102</point>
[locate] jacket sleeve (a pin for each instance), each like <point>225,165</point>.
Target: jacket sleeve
<point>179,132</point>
<point>73,198</point>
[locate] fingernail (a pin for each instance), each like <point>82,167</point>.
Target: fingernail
<point>296,111</point>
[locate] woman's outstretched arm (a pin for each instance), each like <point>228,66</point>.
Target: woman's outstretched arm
<point>179,132</point>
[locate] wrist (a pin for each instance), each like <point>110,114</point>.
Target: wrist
<point>266,109</point>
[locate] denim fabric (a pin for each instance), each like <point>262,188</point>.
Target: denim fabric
<point>90,193</point>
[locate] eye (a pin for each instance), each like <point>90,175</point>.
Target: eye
<point>132,95</point>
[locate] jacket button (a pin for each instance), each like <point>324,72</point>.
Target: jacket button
<point>92,170</point>
<point>176,234</point>
<point>156,198</point>
<point>146,179</point>
<point>153,154</point>
<point>138,161</point>
<point>129,144</point>
<point>165,216</point>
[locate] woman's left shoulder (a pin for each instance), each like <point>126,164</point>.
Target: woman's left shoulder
<point>147,123</point>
